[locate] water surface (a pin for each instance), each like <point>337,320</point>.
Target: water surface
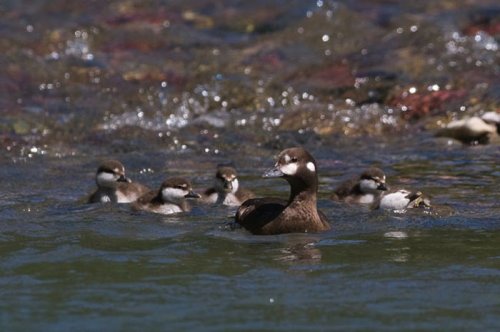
<point>173,88</point>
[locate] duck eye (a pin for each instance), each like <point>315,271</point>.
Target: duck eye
<point>294,160</point>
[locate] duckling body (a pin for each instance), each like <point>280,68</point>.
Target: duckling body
<point>226,189</point>
<point>474,129</point>
<point>365,189</point>
<point>113,186</point>
<point>169,199</point>
<point>402,199</point>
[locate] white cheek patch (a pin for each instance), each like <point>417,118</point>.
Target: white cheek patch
<point>287,158</point>
<point>289,169</point>
<point>368,185</point>
<point>310,166</point>
<point>235,184</point>
<point>105,179</point>
<point>172,194</point>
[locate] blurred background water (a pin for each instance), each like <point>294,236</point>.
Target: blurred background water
<point>177,87</point>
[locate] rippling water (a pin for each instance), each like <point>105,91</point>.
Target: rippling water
<point>173,88</point>
<point>67,265</point>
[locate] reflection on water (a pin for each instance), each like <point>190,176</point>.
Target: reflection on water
<point>300,251</point>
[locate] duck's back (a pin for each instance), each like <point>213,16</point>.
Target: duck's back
<point>345,189</point>
<point>130,192</point>
<point>268,216</point>
<point>244,194</point>
<point>256,214</point>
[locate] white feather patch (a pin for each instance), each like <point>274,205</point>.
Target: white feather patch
<point>123,198</point>
<point>287,158</point>
<point>231,200</point>
<point>310,166</point>
<point>289,169</point>
<point>166,209</point>
<point>235,184</point>
<point>395,201</point>
<point>105,179</point>
<point>368,185</point>
<point>366,199</point>
<point>173,194</point>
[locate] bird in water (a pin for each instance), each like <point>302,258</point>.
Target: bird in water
<point>226,189</point>
<point>113,186</point>
<point>170,198</point>
<point>298,214</point>
<point>365,189</point>
<point>402,199</point>
<point>473,130</point>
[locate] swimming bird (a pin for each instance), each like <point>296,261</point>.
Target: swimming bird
<point>226,189</point>
<point>113,186</point>
<point>170,198</point>
<point>402,199</point>
<point>473,130</point>
<point>365,189</point>
<point>298,214</point>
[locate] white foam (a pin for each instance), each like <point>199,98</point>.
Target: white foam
<point>396,235</point>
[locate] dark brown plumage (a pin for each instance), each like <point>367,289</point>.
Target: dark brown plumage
<point>267,216</point>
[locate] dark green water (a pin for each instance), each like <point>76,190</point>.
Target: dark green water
<point>173,88</point>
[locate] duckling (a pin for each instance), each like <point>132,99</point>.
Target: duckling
<point>402,199</point>
<point>113,186</point>
<point>473,130</point>
<point>365,189</point>
<point>226,189</point>
<point>169,199</point>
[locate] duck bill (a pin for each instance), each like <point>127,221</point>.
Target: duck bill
<point>123,178</point>
<point>228,186</point>
<point>382,187</point>
<point>273,173</point>
<point>192,194</point>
